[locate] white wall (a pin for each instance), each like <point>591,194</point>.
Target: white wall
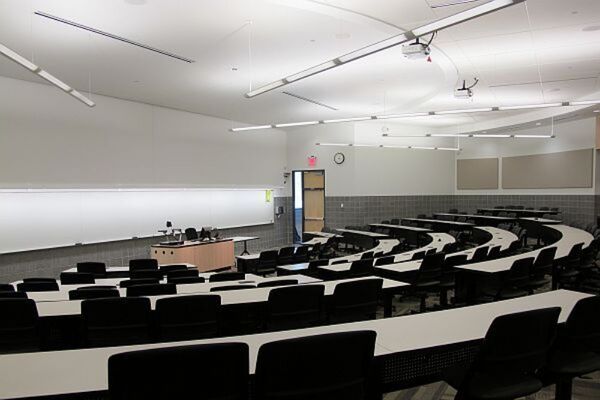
<point>372,171</point>
<point>49,140</point>
<point>570,135</point>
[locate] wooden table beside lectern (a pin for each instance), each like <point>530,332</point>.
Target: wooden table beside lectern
<point>207,256</point>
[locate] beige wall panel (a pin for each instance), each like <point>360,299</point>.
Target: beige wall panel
<point>313,225</point>
<point>477,173</point>
<point>567,169</point>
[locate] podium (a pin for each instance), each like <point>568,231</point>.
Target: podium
<point>206,256</point>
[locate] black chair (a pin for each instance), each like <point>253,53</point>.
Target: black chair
<point>331,366</point>
<point>166,269</point>
<point>577,348</point>
<point>494,253</point>
<point>191,234</point>
<point>541,268</point>
<point>37,286</point>
<point>6,287</point>
<point>513,283</point>
<point>187,317</point>
<point>301,255</point>
<point>12,295</point>
<point>92,267</point>
<point>384,260</point>
<point>362,267</point>
<point>76,278</point>
<point>568,269</point>
<point>294,307</point>
<point>210,371</point>
<point>286,256</point>
<point>354,300</point>
<point>183,280</point>
<point>47,280</point>
<point>132,282</point>
<point>280,282</point>
<point>267,262</point>
<point>514,349</point>
<point>19,327</point>
<point>114,322</point>
<point>367,255</point>
<point>181,273</point>
<point>146,274</point>
<point>152,289</point>
<point>418,255</point>
<point>231,287</point>
<point>143,263</point>
<point>447,281</point>
<point>480,254</point>
<point>92,293</point>
<point>428,278</point>
<point>227,276</point>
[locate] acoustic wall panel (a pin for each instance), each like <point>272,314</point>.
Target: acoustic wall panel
<point>567,169</point>
<point>477,173</point>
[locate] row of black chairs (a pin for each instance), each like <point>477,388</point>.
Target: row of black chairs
<point>129,320</point>
<point>520,354</point>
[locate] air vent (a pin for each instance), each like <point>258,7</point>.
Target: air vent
<point>296,96</point>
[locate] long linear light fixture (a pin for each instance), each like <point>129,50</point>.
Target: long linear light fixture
<point>386,146</point>
<point>474,135</point>
<point>22,61</point>
<point>112,36</point>
<point>402,38</point>
<point>422,114</point>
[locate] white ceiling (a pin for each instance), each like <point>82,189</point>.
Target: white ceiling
<point>554,55</point>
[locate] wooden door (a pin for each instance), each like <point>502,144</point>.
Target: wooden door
<point>314,201</point>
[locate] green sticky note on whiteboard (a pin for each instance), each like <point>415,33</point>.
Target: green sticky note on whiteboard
<point>268,195</point>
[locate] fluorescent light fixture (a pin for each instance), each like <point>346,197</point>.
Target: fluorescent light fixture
<point>82,98</point>
<point>375,47</point>
<point>448,148</point>
<point>449,135</point>
<point>388,43</point>
<point>334,144</point>
<point>55,81</point>
<point>389,146</point>
<point>310,71</point>
<point>491,136</point>
<point>22,61</point>
<point>584,102</point>
<point>398,116</point>
<point>422,148</point>
<point>466,111</point>
<point>533,136</point>
<point>296,124</point>
<point>365,145</point>
<point>333,121</point>
<point>251,128</point>
<point>266,88</point>
<point>5,51</point>
<point>464,16</point>
<point>529,106</point>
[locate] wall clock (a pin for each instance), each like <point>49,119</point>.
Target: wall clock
<point>339,158</point>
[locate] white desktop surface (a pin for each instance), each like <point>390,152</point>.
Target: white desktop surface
<point>542,220</point>
<point>85,370</point>
<point>438,221</point>
<point>401,227</point>
<point>570,236</point>
<point>492,217</point>
<point>126,268</point>
<point>73,307</point>
<point>363,233</point>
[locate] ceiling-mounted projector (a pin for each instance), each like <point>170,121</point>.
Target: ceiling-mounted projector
<point>465,91</point>
<point>416,51</point>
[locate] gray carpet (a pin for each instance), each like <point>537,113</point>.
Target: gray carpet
<point>587,388</point>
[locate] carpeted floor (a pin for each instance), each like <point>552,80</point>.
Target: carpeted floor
<point>587,388</point>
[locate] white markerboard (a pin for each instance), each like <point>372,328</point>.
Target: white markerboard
<point>43,219</point>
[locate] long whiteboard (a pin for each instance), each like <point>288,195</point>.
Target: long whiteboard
<point>44,219</point>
